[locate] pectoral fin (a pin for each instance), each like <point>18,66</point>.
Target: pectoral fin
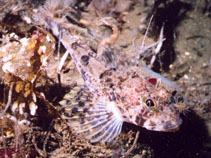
<point>90,114</point>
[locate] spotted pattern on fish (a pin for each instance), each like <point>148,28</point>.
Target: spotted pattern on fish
<point>113,93</point>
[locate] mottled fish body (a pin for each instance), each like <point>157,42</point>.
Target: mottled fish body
<point>113,95</point>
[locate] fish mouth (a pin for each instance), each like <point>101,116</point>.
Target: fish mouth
<point>172,127</point>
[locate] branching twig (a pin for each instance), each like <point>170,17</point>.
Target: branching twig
<point>133,146</point>
<point>142,45</point>
<point>41,153</point>
<point>158,48</point>
<point>8,101</point>
<point>109,40</point>
<point>143,49</point>
<point>47,136</point>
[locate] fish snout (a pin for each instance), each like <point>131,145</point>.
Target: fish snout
<point>172,126</point>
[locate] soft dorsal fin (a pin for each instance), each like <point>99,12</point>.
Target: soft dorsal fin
<point>92,115</point>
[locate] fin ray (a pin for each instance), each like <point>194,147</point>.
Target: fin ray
<point>92,115</point>
<point>111,132</point>
<point>100,130</point>
<point>91,122</point>
<point>92,127</point>
<point>117,132</point>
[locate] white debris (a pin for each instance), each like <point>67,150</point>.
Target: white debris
<point>27,19</point>
<point>13,35</point>
<point>3,50</point>
<point>42,49</point>
<point>7,58</point>
<point>14,106</point>
<point>186,77</point>
<point>48,39</point>
<point>28,64</point>
<point>21,107</point>
<point>187,53</point>
<point>24,122</point>
<point>34,97</point>
<point>7,67</point>
<point>33,108</point>
<point>24,41</point>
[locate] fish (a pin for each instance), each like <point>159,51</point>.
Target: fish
<point>113,93</point>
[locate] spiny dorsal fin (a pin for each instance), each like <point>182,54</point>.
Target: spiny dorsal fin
<point>92,115</point>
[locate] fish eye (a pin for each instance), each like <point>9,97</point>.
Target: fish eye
<point>150,103</point>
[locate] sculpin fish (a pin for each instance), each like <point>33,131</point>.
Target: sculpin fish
<point>113,93</point>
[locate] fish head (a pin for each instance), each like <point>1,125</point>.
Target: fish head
<point>154,107</point>
<point>159,111</point>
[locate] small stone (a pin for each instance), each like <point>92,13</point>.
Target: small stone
<point>137,156</point>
